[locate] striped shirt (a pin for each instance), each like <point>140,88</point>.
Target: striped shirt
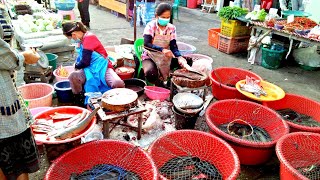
<point>12,118</point>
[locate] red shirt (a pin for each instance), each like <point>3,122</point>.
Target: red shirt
<point>91,42</point>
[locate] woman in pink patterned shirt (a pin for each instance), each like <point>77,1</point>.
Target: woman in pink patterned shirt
<point>162,53</point>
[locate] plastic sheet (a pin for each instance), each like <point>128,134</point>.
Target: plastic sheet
<point>307,56</point>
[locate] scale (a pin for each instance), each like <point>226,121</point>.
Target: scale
<point>40,71</point>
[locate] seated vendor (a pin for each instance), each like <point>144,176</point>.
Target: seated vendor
<point>94,71</point>
<point>294,5</point>
<point>161,50</point>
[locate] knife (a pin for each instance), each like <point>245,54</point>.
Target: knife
<point>208,100</point>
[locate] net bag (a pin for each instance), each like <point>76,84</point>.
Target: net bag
<point>104,159</point>
<point>250,128</point>
<point>299,156</point>
<point>302,106</point>
<point>188,154</point>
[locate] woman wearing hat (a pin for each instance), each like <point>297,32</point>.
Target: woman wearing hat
<point>94,71</point>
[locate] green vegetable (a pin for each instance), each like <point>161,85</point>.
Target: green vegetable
<point>257,15</point>
<point>231,13</point>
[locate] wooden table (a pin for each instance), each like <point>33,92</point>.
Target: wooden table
<point>116,117</point>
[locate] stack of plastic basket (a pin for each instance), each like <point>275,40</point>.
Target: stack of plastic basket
<point>234,36</point>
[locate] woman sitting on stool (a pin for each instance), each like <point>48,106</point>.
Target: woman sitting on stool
<point>94,71</point>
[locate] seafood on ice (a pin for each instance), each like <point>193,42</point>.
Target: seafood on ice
<point>253,86</point>
<point>69,128</point>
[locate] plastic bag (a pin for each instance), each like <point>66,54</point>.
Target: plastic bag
<point>202,65</point>
<point>307,56</point>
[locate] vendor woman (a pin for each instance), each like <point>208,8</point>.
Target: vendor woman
<point>94,71</point>
<point>161,52</point>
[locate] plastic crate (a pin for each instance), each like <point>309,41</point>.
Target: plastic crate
<point>233,45</point>
<point>271,59</point>
<point>213,37</point>
<point>234,28</point>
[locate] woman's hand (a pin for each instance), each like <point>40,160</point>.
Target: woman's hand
<point>30,56</point>
<point>183,63</point>
<point>168,53</point>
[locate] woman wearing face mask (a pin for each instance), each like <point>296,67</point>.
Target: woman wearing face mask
<point>162,53</point>
<point>94,71</point>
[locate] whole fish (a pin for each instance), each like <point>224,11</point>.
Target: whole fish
<point>252,86</point>
<point>76,129</point>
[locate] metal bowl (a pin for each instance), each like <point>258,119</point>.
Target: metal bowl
<point>188,103</point>
<point>136,85</point>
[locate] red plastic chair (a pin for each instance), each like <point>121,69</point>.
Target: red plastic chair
<point>266,4</point>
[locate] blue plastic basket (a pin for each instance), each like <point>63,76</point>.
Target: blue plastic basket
<point>66,5</point>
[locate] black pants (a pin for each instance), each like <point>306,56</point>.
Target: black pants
<point>84,12</point>
<point>151,71</point>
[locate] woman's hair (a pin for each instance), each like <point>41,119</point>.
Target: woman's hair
<point>70,27</point>
<point>162,7</point>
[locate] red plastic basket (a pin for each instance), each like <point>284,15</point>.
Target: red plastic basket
<point>231,45</point>
<point>249,152</point>
<point>213,37</point>
<point>297,150</point>
<point>112,152</point>
<point>196,143</point>
<point>223,76</point>
<point>301,105</point>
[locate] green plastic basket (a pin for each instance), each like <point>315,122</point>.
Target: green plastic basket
<point>271,59</point>
<point>285,14</point>
<point>52,58</point>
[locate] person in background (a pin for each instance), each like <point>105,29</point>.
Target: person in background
<point>162,53</point>
<point>95,72</point>
<point>294,5</point>
<point>83,7</point>
<point>18,151</point>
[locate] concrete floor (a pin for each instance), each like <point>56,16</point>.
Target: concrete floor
<point>192,28</point>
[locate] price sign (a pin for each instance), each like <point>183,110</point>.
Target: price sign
<point>231,3</point>
<point>256,8</point>
<point>290,18</point>
<point>306,1</point>
<point>273,11</point>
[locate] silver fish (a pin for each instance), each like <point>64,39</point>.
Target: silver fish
<point>76,129</point>
<point>256,90</point>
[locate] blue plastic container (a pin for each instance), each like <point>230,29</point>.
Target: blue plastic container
<point>64,92</point>
<point>65,5</point>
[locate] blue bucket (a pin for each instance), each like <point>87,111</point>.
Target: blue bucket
<point>64,92</point>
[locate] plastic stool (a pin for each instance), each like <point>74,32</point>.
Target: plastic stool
<point>67,15</point>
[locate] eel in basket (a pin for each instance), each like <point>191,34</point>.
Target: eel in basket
<point>76,129</point>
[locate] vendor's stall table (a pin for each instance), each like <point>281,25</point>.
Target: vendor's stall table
<point>292,36</point>
<point>261,27</point>
<point>116,117</point>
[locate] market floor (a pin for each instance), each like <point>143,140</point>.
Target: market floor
<point>192,28</point>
